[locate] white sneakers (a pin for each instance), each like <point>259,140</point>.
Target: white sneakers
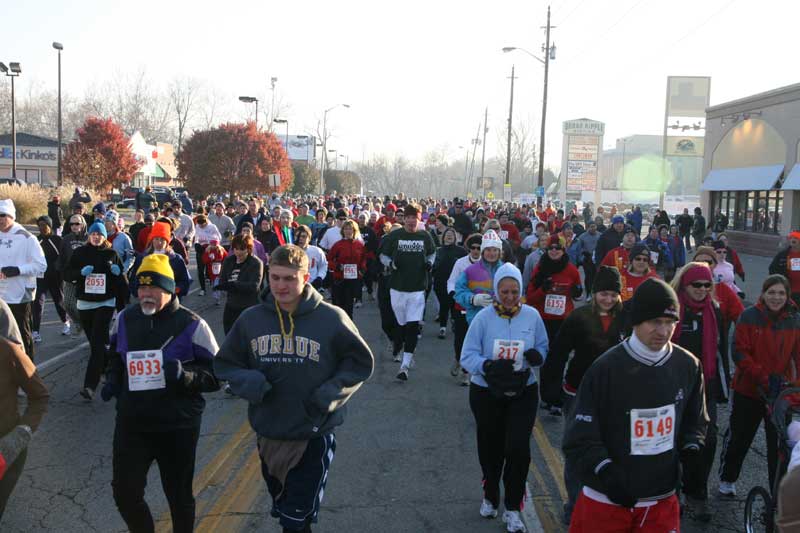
<point>403,374</point>
<point>201,293</point>
<point>442,333</point>
<point>464,379</point>
<point>66,329</point>
<point>514,523</point>
<point>36,337</point>
<point>726,488</point>
<point>487,509</point>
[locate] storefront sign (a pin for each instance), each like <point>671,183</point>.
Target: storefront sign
<point>584,127</point>
<point>42,156</point>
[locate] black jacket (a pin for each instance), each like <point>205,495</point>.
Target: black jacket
<point>101,259</point>
<point>684,222</point>
<point>582,331</point>
<point>51,246</point>
<point>241,281</point>
<point>779,264</point>
<point>446,257</point>
<point>599,428</point>
<point>179,334</point>
<point>54,212</point>
<point>609,240</point>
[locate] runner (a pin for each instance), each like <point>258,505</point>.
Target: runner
<point>159,405</point>
<point>619,257</point>
<point>699,331</point>
<point>52,281</point>
<point>297,360</point>
<point>458,312</point>
<point>69,243</point>
<point>317,261</point>
<point>637,272</point>
<point>410,254</point>
<point>584,249</point>
<point>240,277</point>
<point>645,383</point>
<point>589,331</point>
<point>347,263</point>
<point>446,256</point>
<point>159,242</point>
<point>610,239</point>
<point>766,353</point>
<point>211,262</point>
<point>660,257</point>
<point>205,232</point>
<point>505,340</point>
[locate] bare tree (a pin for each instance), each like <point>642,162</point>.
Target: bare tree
<point>183,97</point>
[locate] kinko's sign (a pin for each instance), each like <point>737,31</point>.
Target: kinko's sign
<point>43,156</point>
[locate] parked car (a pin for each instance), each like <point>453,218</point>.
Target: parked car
<point>11,181</point>
<point>127,203</point>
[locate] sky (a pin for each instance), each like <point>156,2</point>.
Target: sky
<point>416,74</point>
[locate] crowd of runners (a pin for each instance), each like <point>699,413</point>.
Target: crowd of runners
<point>619,323</point>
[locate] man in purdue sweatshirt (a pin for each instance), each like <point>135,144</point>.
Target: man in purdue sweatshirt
<point>297,360</point>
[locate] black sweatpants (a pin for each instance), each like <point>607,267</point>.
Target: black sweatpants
<point>389,323</point>
<point>95,325</point>
<point>746,415</point>
<point>296,502</point>
<point>23,315</point>
<point>445,303</point>
<point>9,481</point>
<point>344,292</point>
<point>199,250</point>
<point>460,328</point>
<point>504,432</point>
<point>589,271</point>
<point>174,452</point>
<point>229,316</point>
<point>51,283</point>
<point>697,471</point>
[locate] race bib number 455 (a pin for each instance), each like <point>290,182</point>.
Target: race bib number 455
<point>652,430</point>
<point>145,370</point>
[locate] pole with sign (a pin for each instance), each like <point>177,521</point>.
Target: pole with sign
<point>274,180</point>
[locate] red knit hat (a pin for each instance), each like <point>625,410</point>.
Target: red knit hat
<point>160,229</point>
<point>554,240</point>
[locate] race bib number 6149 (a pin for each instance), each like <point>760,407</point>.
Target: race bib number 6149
<point>652,430</point>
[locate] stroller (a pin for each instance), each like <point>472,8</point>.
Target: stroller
<point>761,504</point>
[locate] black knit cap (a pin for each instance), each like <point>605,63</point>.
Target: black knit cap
<point>638,249</point>
<point>607,279</point>
<point>654,299</point>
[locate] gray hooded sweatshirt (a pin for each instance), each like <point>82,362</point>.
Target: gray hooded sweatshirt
<point>297,387</point>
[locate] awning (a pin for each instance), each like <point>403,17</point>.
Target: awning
<point>742,179</point>
<point>158,172</point>
<point>792,181</point>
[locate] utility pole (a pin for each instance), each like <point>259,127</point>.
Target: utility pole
<point>510,115</point>
<point>475,143</point>
<point>540,181</point>
<point>483,154</point>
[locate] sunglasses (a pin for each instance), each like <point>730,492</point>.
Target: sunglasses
<point>74,223</point>
<point>641,259</point>
<point>701,284</point>
<point>3,215</point>
<point>555,247</point>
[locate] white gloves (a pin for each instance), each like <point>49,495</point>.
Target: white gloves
<point>482,300</point>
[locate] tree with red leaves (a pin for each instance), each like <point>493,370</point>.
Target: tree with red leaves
<point>101,158</point>
<point>233,158</point>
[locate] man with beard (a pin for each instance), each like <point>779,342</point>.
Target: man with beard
<point>161,362</point>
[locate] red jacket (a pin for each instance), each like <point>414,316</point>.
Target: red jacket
<point>347,252</point>
<point>729,303</point>
<point>733,258</point>
<point>212,256</point>
<point>617,257</point>
<point>378,227</point>
<point>764,346</point>
<point>558,300</point>
<point>512,233</point>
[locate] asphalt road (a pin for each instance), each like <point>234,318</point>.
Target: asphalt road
<point>406,457</point>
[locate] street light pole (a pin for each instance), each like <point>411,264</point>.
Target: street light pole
<point>59,47</point>
<point>250,100</point>
<point>281,121</point>
<point>540,180</point>
<point>325,146</point>
<point>12,70</point>
<point>508,148</point>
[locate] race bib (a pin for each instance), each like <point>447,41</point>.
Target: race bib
<point>654,257</point>
<point>503,234</point>
<point>216,268</point>
<point>95,284</point>
<point>652,430</point>
<point>509,349</point>
<point>795,264</point>
<point>350,271</point>
<point>145,370</point>
<point>555,304</point>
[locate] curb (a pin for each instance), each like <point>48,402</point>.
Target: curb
<point>529,515</point>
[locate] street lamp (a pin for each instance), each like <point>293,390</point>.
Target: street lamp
<point>308,151</point>
<point>549,54</point>
<point>325,144</point>
<point>250,100</point>
<point>59,47</point>
<point>273,80</point>
<point>282,121</point>
<point>346,162</point>
<point>12,71</point>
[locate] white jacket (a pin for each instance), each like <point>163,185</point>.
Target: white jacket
<point>20,248</point>
<point>185,229</point>
<point>317,263</point>
<point>206,235</point>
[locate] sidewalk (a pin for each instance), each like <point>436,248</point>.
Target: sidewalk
<point>755,270</point>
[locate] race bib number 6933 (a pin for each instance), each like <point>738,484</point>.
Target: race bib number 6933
<point>146,370</point>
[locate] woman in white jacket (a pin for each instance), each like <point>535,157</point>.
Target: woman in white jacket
<point>204,233</point>
<point>317,262</point>
<point>504,342</point>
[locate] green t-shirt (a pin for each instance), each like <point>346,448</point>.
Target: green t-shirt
<point>306,220</point>
<point>409,253</point>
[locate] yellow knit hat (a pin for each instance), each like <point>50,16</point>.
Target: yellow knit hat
<point>156,270</point>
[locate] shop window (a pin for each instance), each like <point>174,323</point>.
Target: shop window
<point>756,211</point>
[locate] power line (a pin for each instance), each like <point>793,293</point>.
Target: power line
<point>573,10</point>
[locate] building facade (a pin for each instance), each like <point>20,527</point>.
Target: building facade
<point>37,159</point>
<point>751,168</point>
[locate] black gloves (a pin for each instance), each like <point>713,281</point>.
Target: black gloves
<point>109,390</point>
<point>614,480</point>
<point>173,370</point>
<point>224,286</point>
<point>10,272</point>
<point>576,292</point>
<point>498,366</point>
<point>533,357</point>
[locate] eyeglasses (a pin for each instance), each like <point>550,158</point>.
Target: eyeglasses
<point>74,223</point>
<point>701,284</point>
<point>3,215</point>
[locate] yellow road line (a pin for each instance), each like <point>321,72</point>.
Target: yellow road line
<point>243,481</point>
<point>543,504</point>
<point>553,459</point>
<point>227,455</point>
